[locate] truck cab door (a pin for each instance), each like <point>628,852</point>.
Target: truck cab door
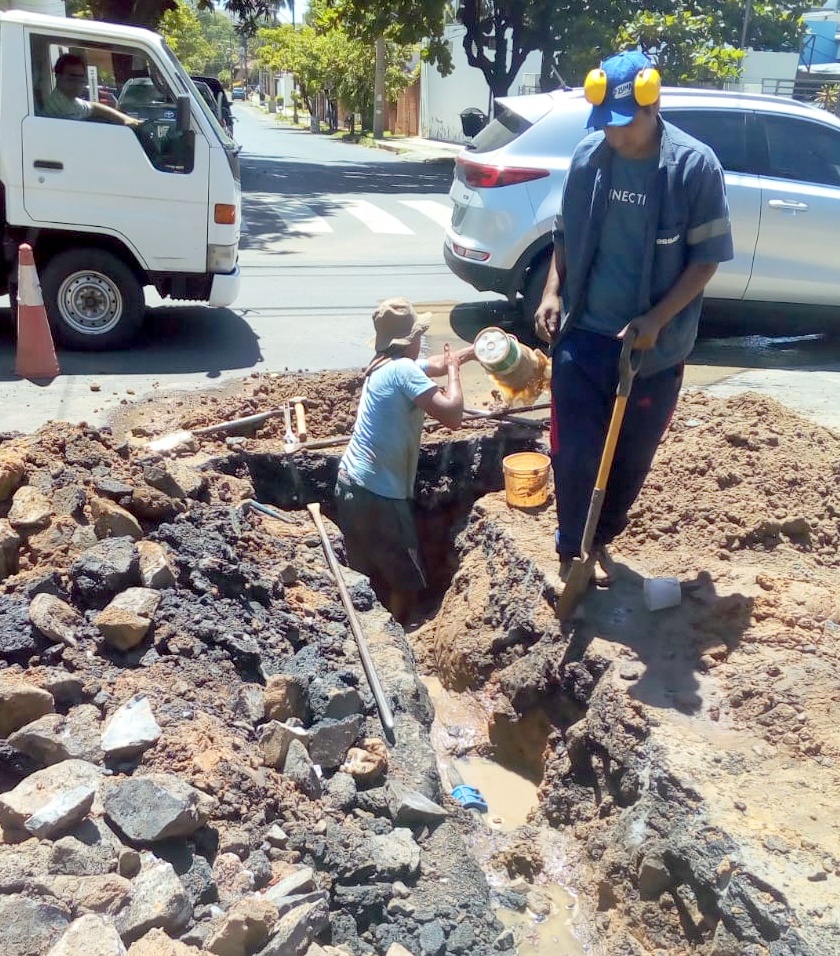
<point>147,187</point>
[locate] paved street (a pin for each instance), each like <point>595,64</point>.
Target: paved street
<point>329,229</point>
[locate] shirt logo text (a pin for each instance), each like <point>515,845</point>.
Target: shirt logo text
<point>626,196</point>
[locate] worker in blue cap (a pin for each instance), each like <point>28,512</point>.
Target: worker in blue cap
<point>642,226</point>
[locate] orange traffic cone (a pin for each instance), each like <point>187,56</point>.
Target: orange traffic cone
<point>35,349</point>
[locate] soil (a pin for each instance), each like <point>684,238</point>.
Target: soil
<point>687,758</point>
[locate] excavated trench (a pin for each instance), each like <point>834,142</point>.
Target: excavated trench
<point>480,739</point>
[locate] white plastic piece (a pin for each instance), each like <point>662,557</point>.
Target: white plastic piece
<point>662,593</point>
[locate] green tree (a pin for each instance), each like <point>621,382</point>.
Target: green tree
<point>149,13</point>
<point>182,30</point>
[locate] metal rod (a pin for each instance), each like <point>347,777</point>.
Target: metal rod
<point>385,714</point>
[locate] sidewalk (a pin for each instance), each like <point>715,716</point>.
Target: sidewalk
<point>427,150</point>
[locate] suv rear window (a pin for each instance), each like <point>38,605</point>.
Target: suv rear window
<point>724,130</point>
<point>504,129</point>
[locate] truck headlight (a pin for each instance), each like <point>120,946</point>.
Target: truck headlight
<point>221,259</point>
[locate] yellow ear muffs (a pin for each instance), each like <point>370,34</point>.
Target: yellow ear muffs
<point>595,87</point>
<point>646,86</point>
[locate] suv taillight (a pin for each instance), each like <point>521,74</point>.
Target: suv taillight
<point>482,176</point>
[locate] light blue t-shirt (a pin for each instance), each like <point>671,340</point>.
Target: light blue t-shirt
<point>616,274</point>
<point>385,446</point>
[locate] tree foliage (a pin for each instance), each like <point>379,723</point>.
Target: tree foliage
<point>150,13</point>
<point>183,31</point>
<point>326,58</point>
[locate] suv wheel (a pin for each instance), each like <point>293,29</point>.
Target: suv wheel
<point>93,299</point>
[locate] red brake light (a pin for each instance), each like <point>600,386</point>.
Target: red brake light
<point>482,176</point>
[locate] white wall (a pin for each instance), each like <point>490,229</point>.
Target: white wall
<point>442,98</point>
<point>765,65</point>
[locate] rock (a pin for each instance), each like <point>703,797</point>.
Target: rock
<point>104,570</point>
<point>10,542</point>
<point>131,729</point>
<point>126,620</point>
<point>298,767</point>
<point>128,863</point>
<point>30,510</point>
<point>367,763</point>
<point>249,703</point>
<point>277,836</point>
<point>341,791</point>
<point>432,939</point>
<point>396,949</point>
<point>156,807</point>
<point>155,569</point>
<point>395,855</point>
<point>30,927</point>
<point>91,849</point>
<point>158,901</point>
<point>285,697</point>
<point>53,738</point>
<point>233,879</point>
<point>176,480</point>
<point>152,505</point>
<point>90,935</point>
<point>410,808</point>
<point>43,786</point>
<point>61,814</point>
<point>300,880</point>
<point>12,471</point>
<point>112,521</point>
<point>66,688</point>
<point>109,487</point>
<point>21,703</point>
<point>69,501</point>
<point>286,904</point>
<point>333,702</point>
<point>247,927</point>
<point>157,943</point>
<point>103,895</point>
<point>55,619</point>
<point>654,877</point>
<point>329,740</point>
<point>274,739</point>
<point>20,863</point>
<point>297,930</point>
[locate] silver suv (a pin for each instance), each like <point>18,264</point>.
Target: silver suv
<point>782,163</point>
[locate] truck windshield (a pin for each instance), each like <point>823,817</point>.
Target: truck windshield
<point>189,87</point>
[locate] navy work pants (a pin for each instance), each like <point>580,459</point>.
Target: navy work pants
<point>584,378</point>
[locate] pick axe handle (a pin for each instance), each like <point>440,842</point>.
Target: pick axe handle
<point>300,421</point>
<point>237,423</point>
<point>384,708</point>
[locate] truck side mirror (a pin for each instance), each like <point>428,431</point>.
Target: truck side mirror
<point>220,101</point>
<point>182,113</point>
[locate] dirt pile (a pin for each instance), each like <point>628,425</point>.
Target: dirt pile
<point>192,751</point>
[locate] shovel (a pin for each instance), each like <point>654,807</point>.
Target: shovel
<point>289,435</point>
<point>581,571</point>
<point>177,439</point>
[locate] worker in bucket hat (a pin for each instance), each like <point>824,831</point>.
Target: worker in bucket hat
<point>642,227</point>
<point>375,486</point>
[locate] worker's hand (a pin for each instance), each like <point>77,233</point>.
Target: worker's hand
<point>547,317</point>
<point>647,328</point>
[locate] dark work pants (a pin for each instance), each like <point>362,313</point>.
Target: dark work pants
<point>584,378</point>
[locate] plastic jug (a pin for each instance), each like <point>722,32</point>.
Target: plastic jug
<point>520,371</point>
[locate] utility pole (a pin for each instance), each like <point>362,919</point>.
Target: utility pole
<point>747,15</point>
<point>379,90</point>
<point>294,78</point>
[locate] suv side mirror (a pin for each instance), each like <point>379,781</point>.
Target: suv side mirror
<point>182,113</point>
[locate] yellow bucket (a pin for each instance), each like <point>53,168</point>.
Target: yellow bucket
<point>526,479</point>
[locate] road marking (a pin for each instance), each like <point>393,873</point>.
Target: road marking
<point>440,213</point>
<point>376,219</point>
<point>302,218</point>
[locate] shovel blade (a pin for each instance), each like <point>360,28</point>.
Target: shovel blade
<point>576,586</point>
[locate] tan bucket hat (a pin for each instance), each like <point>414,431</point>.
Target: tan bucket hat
<point>396,322</point>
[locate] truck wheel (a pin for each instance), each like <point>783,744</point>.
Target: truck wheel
<point>93,299</point>
<point>531,298</point>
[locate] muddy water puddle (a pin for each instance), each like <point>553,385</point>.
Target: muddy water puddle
<point>543,927</point>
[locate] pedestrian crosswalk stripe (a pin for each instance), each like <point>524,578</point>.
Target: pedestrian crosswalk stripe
<point>302,218</point>
<point>376,219</point>
<point>440,213</point>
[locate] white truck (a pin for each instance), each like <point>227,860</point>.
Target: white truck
<point>110,209</point>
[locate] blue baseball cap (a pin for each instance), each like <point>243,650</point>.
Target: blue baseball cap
<point>619,106</point>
